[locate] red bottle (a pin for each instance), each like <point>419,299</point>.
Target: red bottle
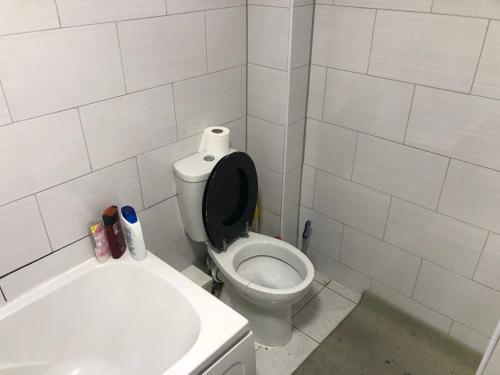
<point>114,231</point>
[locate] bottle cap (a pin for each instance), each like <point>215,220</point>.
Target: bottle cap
<point>129,214</point>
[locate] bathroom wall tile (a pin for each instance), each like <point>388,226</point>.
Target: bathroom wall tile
<point>317,81</point>
<point>326,234</point>
<point>371,105</point>
<point>162,224</point>
<point>270,185</point>
<point>238,133</point>
<point>298,3</point>
<point>301,35</point>
<point>183,253</point>
<point>330,148</point>
<point>440,239</point>
<point>410,5</point>
<point>46,268</point>
<point>325,2</point>
<point>290,225</point>
<point>273,3</point>
<point>456,125</point>
<point>428,49</point>
<point>323,314</point>
<point>268,29</point>
<point>244,89</point>
<point>459,298</point>
<point>40,153</point>
<point>339,272</point>
<point>4,111</point>
<point>286,359</point>
<point>162,50</point>
<point>295,144</point>
<point>156,169</point>
<point>85,198</point>
<point>50,71</point>
<point>379,260</point>
<point>269,223</point>
<point>398,170</point>
<point>479,8</point>
<point>308,186</point>
<point>413,308</point>
<point>470,193</point>
<point>487,81</point>
<point>226,38</point>
<point>299,79</point>
<point>2,301</point>
<point>30,15</point>
<point>209,100</point>
<point>80,12</point>
<point>21,246</point>
<point>291,188</point>
<point>267,93</point>
<point>266,142</point>
<point>351,203</point>
<point>120,128</point>
<point>469,337</point>
<point>184,6</point>
<point>342,37</point>
<point>487,269</point>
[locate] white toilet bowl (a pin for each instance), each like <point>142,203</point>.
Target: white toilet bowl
<point>262,278</point>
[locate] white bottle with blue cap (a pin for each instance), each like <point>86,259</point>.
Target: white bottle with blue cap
<point>133,233</point>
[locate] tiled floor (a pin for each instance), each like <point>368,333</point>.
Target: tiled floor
<point>325,305</point>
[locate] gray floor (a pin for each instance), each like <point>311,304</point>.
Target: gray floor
<point>378,339</point>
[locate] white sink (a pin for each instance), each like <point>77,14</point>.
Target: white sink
<point>119,318</point>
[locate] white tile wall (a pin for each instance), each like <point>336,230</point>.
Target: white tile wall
<point>80,12</point>
<point>308,186</point>
<point>351,203</point>
<point>463,300</point>
<point>267,93</point>
<point>398,170</point>
<point>440,239</point>
<point>427,49</point>
<point>317,81</point>
<point>295,144</point>
<point>40,153</point>
<point>50,71</point>
<point>268,29</point>
<point>470,193</point>
<point>301,35</point>
<point>36,273</point>
<point>291,189</point>
<point>367,104</point>
<point>441,122</point>
<point>70,208</point>
<point>23,237</point>
<point>487,81</point>
<point>33,15</point>
<point>269,223</point>
<point>226,38</point>
<point>266,142</point>
<point>209,100</point>
<point>274,3</point>
<point>161,50</point>
<point>330,148</point>
<point>410,5</point>
<point>156,169</point>
<point>121,128</point>
<point>299,79</point>
<point>183,6</point>
<point>379,260</point>
<point>65,88</point>
<point>348,31</point>
<point>326,234</point>
<point>487,269</point>
<point>270,189</point>
<point>468,336</point>
<point>479,8</point>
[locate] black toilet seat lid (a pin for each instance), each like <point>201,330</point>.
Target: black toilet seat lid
<point>229,199</point>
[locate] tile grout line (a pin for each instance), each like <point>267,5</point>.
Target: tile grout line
<point>3,294</point>
<point>416,278</point>
<point>84,139</point>
<point>140,182</point>
<point>121,58</point>
<point>409,114</point>
<point>206,39</point>
<point>480,56</point>
<point>43,223</point>
<point>480,256</point>
<point>371,42</point>
<point>387,219</point>
<point>298,329</point>
<point>58,14</point>
<point>354,156</point>
<point>2,91</point>
<point>324,94</point>
<point>442,186</point>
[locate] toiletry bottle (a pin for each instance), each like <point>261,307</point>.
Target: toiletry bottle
<point>102,250</point>
<point>133,233</point>
<point>114,232</point>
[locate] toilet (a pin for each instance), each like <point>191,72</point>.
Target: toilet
<point>262,276</point>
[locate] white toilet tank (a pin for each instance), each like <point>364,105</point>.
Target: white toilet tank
<point>191,175</point>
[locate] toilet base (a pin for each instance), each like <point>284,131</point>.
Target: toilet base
<point>271,327</point>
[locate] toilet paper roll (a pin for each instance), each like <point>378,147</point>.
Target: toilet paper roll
<point>215,141</point>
